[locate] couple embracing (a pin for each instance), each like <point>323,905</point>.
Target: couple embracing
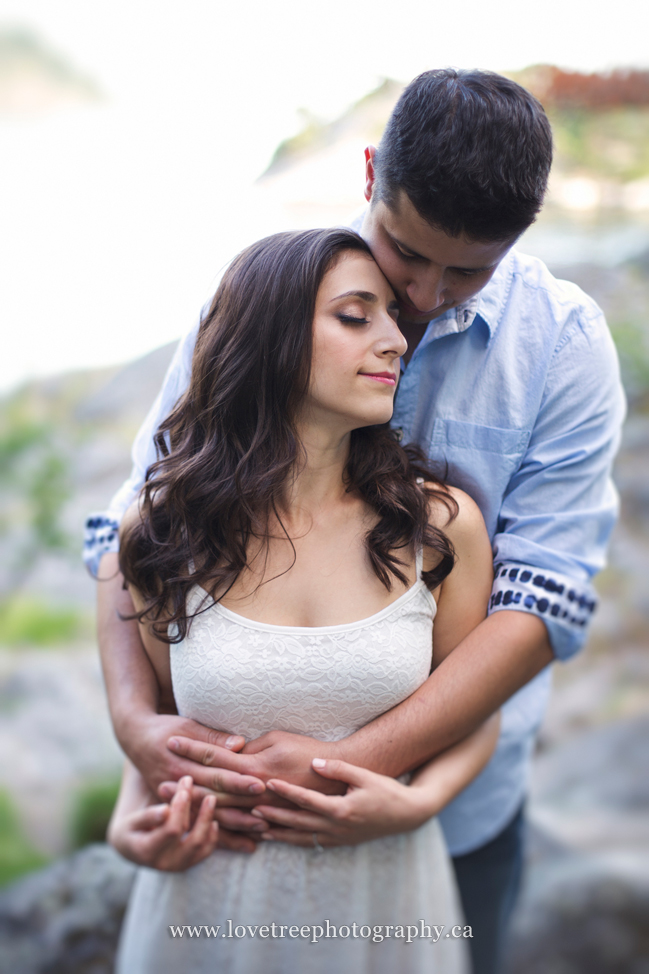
<point>363,519</point>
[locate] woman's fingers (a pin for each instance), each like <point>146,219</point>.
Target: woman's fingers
<point>205,832</point>
<point>313,801</point>
<point>180,807</point>
<point>238,821</point>
<point>149,818</point>
<point>342,771</point>
<point>291,819</point>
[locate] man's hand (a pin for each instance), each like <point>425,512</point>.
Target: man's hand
<point>157,764</point>
<point>277,754</point>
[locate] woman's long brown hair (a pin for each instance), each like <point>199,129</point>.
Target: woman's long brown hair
<point>230,445</point>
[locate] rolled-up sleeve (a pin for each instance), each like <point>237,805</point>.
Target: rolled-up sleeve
<point>561,504</point>
<point>101,534</point>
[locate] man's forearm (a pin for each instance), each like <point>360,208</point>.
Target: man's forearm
<point>131,683</point>
<point>494,661</point>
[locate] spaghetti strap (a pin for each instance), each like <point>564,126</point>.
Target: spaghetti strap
<point>419,561</point>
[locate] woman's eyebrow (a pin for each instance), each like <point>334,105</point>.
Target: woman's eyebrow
<point>363,295</point>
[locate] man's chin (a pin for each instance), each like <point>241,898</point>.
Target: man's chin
<point>408,317</point>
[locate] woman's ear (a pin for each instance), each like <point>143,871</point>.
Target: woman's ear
<point>370,152</point>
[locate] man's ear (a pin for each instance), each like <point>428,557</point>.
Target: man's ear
<point>370,152</point>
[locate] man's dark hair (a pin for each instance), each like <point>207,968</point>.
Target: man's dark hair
<point>472,150</point>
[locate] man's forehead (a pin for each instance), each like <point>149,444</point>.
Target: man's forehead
<point>410,231</point>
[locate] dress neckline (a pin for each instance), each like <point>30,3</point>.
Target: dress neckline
<point>246,623</point>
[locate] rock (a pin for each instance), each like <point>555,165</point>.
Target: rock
<point>592,793</point>
<point>585,905</point>
<point>583,915</point>
<point>66,919</point>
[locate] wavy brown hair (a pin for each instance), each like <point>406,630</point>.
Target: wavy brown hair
<point>230,445</point>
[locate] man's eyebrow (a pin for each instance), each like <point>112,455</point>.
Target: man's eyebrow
<point>404,246</point>
<point>363,295</point>
<point>466,270</point>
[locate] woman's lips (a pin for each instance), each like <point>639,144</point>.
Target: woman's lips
<point>388,378</point>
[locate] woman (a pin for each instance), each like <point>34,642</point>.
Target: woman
<point>287,559</point>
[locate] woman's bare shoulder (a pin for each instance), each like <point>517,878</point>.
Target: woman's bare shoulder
<point>468,516</point>
<point>455,513</point>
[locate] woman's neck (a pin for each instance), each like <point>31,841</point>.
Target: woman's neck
<point>318,483</point>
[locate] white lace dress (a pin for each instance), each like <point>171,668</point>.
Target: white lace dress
<point>250,677</point>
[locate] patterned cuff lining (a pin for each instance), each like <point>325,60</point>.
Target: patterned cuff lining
<point>546,594</point>
<point>100,537</point>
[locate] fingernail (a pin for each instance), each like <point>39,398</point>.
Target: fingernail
<point>318,763</point>
<point>256,788</point>
<point>257,813</point>
<point>270,786</point>
<point>173,744</point>
<point>186,781</point>
<point>267,837</point>
<point>260,826</point>
<point>233,740</point>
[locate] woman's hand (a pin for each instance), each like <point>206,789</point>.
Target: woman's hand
<point>162,836</point>
<point>374,806</point>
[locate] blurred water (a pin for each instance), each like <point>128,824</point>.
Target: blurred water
<point>566,240</point>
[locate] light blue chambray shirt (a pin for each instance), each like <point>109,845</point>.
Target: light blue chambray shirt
<point>516,398</point>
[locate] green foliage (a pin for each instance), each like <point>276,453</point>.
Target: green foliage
<point>92,811</point>
<point>633,348</point>
<point>613,144</point>
<point>17,855</point>
<point>29,622</point>
<point>35,483</point>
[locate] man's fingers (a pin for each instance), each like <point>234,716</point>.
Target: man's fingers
<point>168,789</point>
<point>222,770</point>
<point>233,742</point>
<point>230,782</point>
<point>210,754</point>
<point>235,842</point>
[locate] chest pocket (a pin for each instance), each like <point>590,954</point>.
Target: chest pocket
<point>479,459</point>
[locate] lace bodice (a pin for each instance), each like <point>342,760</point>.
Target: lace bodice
<point>251,677</point>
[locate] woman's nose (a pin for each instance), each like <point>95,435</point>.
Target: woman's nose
<point>394,343</point>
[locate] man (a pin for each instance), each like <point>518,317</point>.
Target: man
<point>512,388</point>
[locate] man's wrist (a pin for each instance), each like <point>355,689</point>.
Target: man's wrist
<point>130,724</point>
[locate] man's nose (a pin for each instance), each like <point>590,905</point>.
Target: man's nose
<point>427,292</point>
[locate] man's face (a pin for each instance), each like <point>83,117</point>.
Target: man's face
<point>429,271</point>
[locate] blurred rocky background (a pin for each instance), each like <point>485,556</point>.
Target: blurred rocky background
<point>64,449</point>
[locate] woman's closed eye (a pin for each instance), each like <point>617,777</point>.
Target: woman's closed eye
<point>352,319</point>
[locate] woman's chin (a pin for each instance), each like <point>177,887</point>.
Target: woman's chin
<point>378,418</point>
